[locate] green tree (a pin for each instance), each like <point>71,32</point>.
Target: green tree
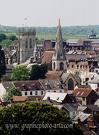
<point>11,92</point>
<point>6,42</point>
<point>24,116</point>
<point>38,71</point>
<point>12,37</point>
<point>2,63</point>
<point>2,37</point>
<point>20,73</point>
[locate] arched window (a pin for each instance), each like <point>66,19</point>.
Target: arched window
<point>54,65</point>
<point>26,44</point>
<point>70,84</point>
<point>61,66</point>
<point>30,42</point>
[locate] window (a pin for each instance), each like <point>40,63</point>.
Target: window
<point>80,66</point>
<point>54,65</point>
<point>72,66</point>
<point>83,98</point>
<point>61,66</point>
<point>26,44</point>
<point>30,92</point>
<point>70,84</point>
<point>41,92</point>
<point>25,93</point>
<point>30,43</point>
<point>77,66</point>
<point>36,92</point>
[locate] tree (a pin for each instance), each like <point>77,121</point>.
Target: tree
<point>38,71</point>
<point>2,63</point>
<point>35,118</point>
<point>11,92</point>
<point>20,73</point>
<point>6,42</point>
<point>12,37</point>
<point>2,37</point>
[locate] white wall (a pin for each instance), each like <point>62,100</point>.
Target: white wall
<point>93,86</point>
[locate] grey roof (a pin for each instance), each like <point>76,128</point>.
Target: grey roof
<point>7,84</point>
<point>76,57</point>
<point>51,84</point>
<point>82,116</point>
<point>70,107</point>
<point>65,76</point>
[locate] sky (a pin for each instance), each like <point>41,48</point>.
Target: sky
<point>47,12</point>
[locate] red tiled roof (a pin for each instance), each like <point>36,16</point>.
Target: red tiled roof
<point>19,98</point>
<point>47,56</point>
<point>53,75</point>
<point>82,92</point>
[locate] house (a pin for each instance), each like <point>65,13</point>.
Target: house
<point>94,81</point>
<point>57,98</point>
<point>82,116</point>
<point>92,109</point>
<point>52,85</point>
<point>85,96</point>
<point>32,89</point>
<point>71,109</point>
<point>97,102</point>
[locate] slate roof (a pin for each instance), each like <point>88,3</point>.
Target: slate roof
<point>28,85</point>
<point>94,108</point>
<point>65,76</point>
<point>51,84</point>
<point>69,107</point>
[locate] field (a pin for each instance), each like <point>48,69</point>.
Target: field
<point>53,36</point>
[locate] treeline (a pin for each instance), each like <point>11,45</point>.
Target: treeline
<point>6,40</point>
<point>70,30</point>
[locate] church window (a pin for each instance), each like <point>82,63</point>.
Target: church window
<point>26,44</point>
<point>54,65</point>
<point>61,66</point>
<point>30,42</point>
<point>70,84</point>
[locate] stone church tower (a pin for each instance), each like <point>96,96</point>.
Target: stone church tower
<point>59,59</point>
<point>27,43</point>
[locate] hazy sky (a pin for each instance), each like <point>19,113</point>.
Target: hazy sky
<point>47,12</point>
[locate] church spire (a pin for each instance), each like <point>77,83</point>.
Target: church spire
<point>59,51</point>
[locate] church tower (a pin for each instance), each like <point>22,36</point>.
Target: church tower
<point>27,43</point>
<point>59,59</point>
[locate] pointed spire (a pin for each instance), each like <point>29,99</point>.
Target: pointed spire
<point>59,33</point>
<point>59,51</point>
<point>59,22</point>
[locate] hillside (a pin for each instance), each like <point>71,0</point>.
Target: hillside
<point>50,32</point>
